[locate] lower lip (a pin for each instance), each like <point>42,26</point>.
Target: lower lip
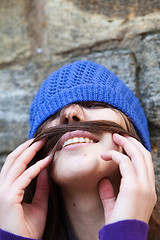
<point>75,146</point>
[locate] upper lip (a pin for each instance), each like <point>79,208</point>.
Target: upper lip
<point>77,133</point>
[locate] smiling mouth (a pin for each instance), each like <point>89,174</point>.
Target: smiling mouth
<point>76,140</point>
<point>58,136</point>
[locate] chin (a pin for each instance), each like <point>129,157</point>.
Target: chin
<point>73,168</point>
<point>73,176</point>
<point>86,175</point>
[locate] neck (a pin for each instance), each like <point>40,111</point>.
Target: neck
<point>85,211</point>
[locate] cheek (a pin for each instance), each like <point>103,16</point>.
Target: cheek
<point>107,143</point>
<point>108,168</point>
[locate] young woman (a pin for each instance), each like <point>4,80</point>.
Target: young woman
<point>91,153</point>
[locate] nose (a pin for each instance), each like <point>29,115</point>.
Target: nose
<point>71,114</point>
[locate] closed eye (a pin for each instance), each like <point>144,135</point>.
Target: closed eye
<point>94,105</point>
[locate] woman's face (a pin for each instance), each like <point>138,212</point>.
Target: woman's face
<point>79,159</point>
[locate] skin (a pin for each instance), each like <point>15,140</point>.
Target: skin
<point>84,163</point>
<point>93,204</point>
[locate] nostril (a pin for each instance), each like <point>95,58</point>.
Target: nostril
<point>66,120</point>
<point>76,119</point>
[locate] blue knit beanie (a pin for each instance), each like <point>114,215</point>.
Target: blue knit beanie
<point>86,81</point>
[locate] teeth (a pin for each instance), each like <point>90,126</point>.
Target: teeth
<point>77,140</point>
<point>81,139</point>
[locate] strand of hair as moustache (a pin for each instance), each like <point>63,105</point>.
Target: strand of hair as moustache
<point>53,134</point>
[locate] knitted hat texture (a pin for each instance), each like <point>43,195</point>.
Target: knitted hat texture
<point>86,81</point>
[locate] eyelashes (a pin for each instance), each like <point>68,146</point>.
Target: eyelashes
<point>94,104</point>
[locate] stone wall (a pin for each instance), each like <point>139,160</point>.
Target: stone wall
<point>39,36</point>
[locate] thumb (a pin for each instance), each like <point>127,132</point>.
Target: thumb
<point>107,197</point>
<point>42,191</point>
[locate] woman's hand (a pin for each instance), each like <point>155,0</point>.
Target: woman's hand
<point>137,196</point>
<point>27,220</point>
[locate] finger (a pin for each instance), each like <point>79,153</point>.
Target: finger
<point>125,165</point>
<point>107,197</point>
<point>40,199</point>
<point>13,156</point>
<point>135,155</point>
<point>27,176</point>
<point>22,161</point>
<point>133,193</point>
<point>147,156</point>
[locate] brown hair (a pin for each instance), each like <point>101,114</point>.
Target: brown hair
<point>58,225</point>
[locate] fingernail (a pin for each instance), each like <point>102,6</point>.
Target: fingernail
<point>47,158</point>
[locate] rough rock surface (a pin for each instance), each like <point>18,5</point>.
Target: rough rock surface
<point>14,40</point>
<point>148,56</point>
